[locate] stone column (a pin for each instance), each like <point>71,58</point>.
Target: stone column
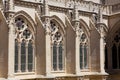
<point>47,38</point>
<point>102,44</point>
<point>48,47</point>
<point>11,50</point>
<point>11,40</point>
<point>19,56</point>
<point>76,26</point>
<point>77,46</point>
<point>102,50</point>
<point>26,46</point>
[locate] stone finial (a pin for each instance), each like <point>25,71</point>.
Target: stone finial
<point>76,17</point>
<point>11,5</point>
<point>46,8</point>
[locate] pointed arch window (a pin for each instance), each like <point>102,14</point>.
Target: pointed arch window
<point>83,52</point>
<point>24,49</point>
<point>57,48</point>
<point>116,50</point>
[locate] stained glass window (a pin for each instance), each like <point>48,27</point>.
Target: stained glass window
<point>57,48</point>
<point>83,52</point>
<point>24,51</point>
<point>116,50</point>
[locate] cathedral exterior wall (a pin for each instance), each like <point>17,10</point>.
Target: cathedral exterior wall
<point>70,50</point>
<point>95,51</point>
<point>41,40</point>
<point>3,48</point>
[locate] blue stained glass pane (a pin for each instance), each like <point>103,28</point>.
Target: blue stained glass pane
<point>19,24</point>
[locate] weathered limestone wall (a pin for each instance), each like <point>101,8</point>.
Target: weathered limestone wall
<point>95,49</point>
<point>70,50</point>
<point>40,48</point>
<point>3,48</point>
<point>30,11</point>
<point>113,20</point>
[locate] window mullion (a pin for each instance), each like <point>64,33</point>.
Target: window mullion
<point>26,46</point>
<point>19,57</point>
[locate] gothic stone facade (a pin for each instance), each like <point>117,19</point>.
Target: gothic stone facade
<point>59,40</point>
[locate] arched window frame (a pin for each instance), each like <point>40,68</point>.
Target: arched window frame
<point>23,33</point>
<point>84,44</point>
<point>57,39</point>
<point>115,49</point>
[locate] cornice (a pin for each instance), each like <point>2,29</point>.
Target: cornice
<point>58,9</point>
<point>27,4</point>
<point>61,9</point>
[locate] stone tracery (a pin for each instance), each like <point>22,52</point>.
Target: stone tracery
<point>84,49</point>
<point>57,48</point>
<point>24,50</point>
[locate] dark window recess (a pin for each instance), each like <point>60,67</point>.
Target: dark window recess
<point>106,58</point>
<point>114,57</point>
